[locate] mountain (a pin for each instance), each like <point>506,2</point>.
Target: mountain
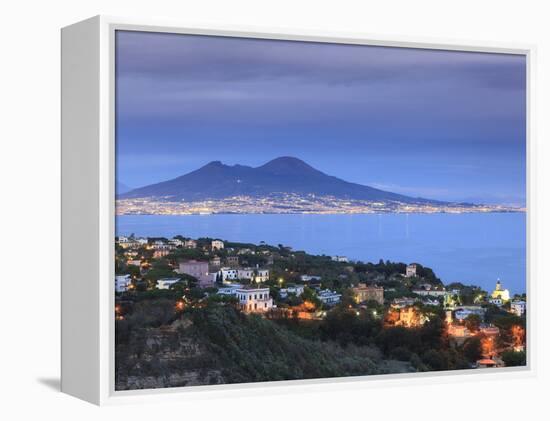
<point>281,175</point>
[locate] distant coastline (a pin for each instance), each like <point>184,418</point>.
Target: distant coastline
<point>294,204</point>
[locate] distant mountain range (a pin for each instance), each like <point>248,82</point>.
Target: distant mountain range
<point>284,175</point>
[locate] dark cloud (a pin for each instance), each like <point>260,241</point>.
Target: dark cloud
<point>231,59</point>
<point>178,92</point>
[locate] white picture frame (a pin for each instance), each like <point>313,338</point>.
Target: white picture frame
<point>88,212</point>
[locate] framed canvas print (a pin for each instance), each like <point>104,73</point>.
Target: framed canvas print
<point>243,209</point>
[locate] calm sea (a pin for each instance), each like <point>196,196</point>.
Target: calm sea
<point>470,248</point>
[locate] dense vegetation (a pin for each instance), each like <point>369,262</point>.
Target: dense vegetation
<point>251,348</point>
<point>218,344</point>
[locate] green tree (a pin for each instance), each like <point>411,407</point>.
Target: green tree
<point>514,358</point>
<point>472,322</point>
<point>310,295</point>
<point>472,349</point>
<point>436,360</point>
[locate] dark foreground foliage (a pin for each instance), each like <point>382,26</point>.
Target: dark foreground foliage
<point>250,348</point>
<point>218,344</point>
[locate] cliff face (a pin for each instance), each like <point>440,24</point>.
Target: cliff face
<point>168,356</point>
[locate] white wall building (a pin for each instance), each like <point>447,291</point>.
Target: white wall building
<point>228,274</point>
<point>340,259</point>
<point>142,241</point>
<point>190,244</point>
<point>518,307</point>
<point>229,289</point>
<point>217,245</point>
<point>166,283</point>
<point>411,270</point>
<point>262,275</point>
<point>128,242</point>
<point>254,300</point>
<point>329,297</point>
<point>430,293</point>
<point>162,245</point>
<point>122,282</point>
<point>309,278</point>
<point>292,289</point>
<point>124,242</point>
<point>255,275</point>
<point>403,302</point>
<point>177,242</point>
<point>247,273</point>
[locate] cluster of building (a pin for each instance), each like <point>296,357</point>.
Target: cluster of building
<point>253,299</point>
<point>161,244</point>
<point>245,283</point>
<point>228,271</point>
<point>207,272</point>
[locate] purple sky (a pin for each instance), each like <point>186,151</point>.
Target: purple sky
<point>438,124</point>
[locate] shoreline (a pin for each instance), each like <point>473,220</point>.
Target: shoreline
<point>323,213</point>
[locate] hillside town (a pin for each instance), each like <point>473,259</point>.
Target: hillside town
<point>347,301</point>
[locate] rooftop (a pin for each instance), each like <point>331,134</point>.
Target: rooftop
<point>253,288</point>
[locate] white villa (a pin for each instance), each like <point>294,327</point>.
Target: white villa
<point>124,242</point>
<point>464,311</point>
<point>292,289</point>
<point>162,245</point>
<point>122,282</point>
<point>250,274</point>
<point>131,242</point>
<point>229,289</point>
<point>217,245</point>
<point>309,278</point>
<point>190,244</point>
<point>227,274</point>
<point>399,303</point>
<point>247,273</point>
<point>411,270</point>
<point>166,283</point>
<point>177,242</point>
<point>262,275</point>
<point>254,300</point>
<point>430,292</point>
<point>329,297</point>
<point>518,307</point>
